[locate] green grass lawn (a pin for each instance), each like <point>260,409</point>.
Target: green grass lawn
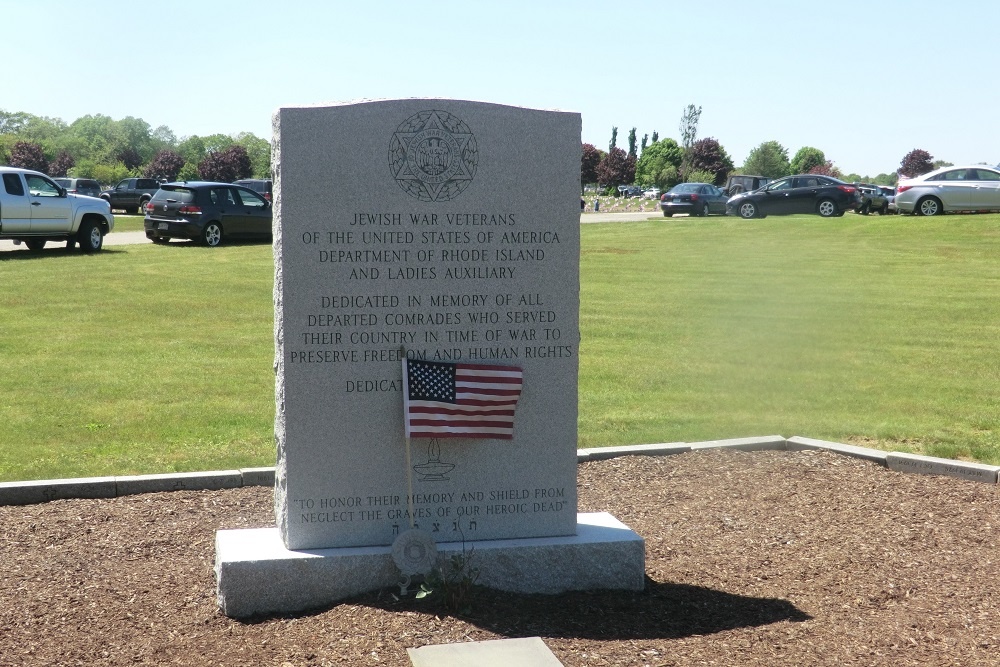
<point>128,223</point>
<point>870,330</point>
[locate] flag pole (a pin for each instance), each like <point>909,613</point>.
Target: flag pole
<point>406,431</point>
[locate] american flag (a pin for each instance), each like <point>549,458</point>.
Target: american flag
<point>444,400</point>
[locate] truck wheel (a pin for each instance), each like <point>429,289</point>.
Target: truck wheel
<point>91,239</point>
<point>142,206</point>
<point>826,208</point>
<point>35,244</point>
<point>71,244</point>
<point>212,234</point>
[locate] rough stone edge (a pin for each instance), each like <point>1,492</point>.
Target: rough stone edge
<point>757,444</point>
<point>604,453</point>
<point>968,470</point>
<point>799,443</point>
<point>40,491</point>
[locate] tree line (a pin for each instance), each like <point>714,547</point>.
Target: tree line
<point>664,163</point>
<point>108,150</point>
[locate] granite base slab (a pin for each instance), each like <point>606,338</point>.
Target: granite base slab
<point>257,575</point>
<point>522,652</point>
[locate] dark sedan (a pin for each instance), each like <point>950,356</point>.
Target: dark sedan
<point>694,198</point>
<point>206,212</point>
<point>805,193</point>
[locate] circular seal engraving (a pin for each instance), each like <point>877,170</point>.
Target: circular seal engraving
<point>414,552</point>
<point>433,156</point>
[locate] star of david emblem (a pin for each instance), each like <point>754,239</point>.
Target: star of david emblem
<point>433,156</point>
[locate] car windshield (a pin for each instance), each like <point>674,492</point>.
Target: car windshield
<point>686,188</point>
<point>181,195</point>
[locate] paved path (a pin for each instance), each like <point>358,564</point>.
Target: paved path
<point>114,238</point>
<point>619,217</point>
<point>132,238</point>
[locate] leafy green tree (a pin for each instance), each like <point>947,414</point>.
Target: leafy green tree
<point>632,143</point>
<point>614,139</point>
<point>689,125</point>
<point>216,143</point>
<point>163,137</point>
<point>689,133</point>
<point>12,122</point>
<point>192,149</point>
<point>133,134</point>
<point>109,174</point>
<point>916,162</point>
<point>189,172</point>
<point>806,159</point>
<point>768,159</point>
<point>698,176</point>
<point>708,155</point>
<point>656,136</point>
<point>259,151</point>
<point>645,141</point>
<point>659,164</point>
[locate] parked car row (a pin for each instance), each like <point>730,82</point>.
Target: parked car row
<point>803,193</point>
<point>974,188</point>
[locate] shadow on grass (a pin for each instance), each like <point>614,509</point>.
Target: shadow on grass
<point>661,611</point>
<point>55,252</point>
<point>229,242</point>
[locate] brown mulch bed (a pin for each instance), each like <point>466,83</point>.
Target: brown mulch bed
<point>764,558</point>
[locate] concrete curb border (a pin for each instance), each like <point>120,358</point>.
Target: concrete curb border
<point>41,491</point>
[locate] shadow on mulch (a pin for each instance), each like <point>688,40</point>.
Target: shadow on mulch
<point>661,611</point>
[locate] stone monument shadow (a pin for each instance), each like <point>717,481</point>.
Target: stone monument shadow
<point>661,611</point>
<point>664,610</point>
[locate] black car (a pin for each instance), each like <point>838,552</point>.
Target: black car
<point>694,198</point>
<point>206,212</point>
<point>261,186</point>
<point>804,193</point>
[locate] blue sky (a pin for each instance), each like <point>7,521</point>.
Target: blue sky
<point>864,82</point>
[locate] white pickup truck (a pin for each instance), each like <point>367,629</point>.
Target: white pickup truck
<point>33,210</point>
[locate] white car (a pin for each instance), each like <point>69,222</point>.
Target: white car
<point>651,193</point>
<point>971,188</point>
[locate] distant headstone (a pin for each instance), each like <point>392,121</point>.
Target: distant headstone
<point>439,230</point>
